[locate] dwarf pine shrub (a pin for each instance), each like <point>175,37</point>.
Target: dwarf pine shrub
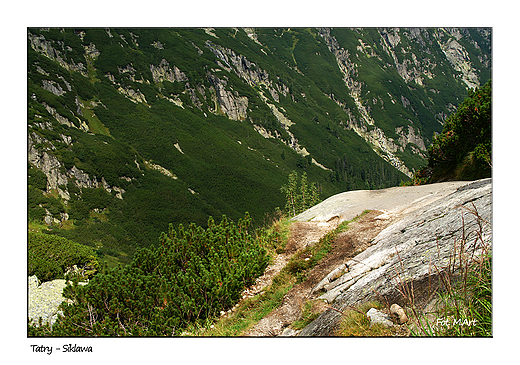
<point>193,274</point>
<point>50,256</point>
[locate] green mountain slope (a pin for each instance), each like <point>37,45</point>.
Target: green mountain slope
<point>132,129</point>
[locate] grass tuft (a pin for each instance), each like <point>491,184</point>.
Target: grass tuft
<point>464,307</point>
<point>355,322</point>
<point>308,315</point>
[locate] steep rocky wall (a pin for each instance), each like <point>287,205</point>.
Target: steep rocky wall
<point>382,145</point>
<point>46,47</point>
<point>414,250</point>
<point>416,66</point>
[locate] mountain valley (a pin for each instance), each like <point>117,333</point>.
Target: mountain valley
<point>130,130</point>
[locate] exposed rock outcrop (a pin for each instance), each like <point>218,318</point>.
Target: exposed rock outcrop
<point>232,104</point>
<point>252,75</point>
<point>57,175</point>
<point>48,49</point>
<point>63,120</point>
<point>91,52</point>
<point>382,145</point>
<point>239,64</point>
<point>408,135</point>
<point>394,201</point>
<point>411,70</point>
<point>135,96</point>
<point>44,299</point>
<point>48,164</point>
<point>459,57</point>
<point>412,251</point>
<point>53,87</point>
<point>164,72</point>
<point>251,34</point>
<point>161,169</point>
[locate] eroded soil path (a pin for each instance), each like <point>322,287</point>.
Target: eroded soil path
<point>302,234</point>
<point>346,245</point>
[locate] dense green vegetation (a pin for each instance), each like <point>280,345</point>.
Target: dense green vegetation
<point>465,142</point>
<point>192,275</point>
<point>50,257</point>
<point>463,150</point>
<point>144,148</point>
<point>251,310</point>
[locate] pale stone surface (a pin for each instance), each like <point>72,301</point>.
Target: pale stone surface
<point>44,300</point>
<point>378,317</point>
<point>395,200</point>
<point>413,250</point>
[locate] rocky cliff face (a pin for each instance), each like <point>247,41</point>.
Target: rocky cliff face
<point>414,69</point>
<point>231,104</point>
<point>49,49</point>
<point>48,164</point>
<point>375,136</point>
<point>164,72</point>
<point>458,55</point>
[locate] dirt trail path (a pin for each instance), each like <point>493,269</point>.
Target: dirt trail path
<point>302,235</point>
<point>346,245</point>
<point>387,206</point>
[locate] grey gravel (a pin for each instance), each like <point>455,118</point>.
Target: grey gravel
<point>45,299</point>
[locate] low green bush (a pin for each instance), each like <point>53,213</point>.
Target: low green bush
<point>192,275</point>
<point>463,150</point>
<point>50,256</point>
